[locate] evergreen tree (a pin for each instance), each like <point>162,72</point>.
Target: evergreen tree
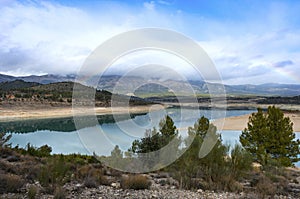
<point>154,140</point>
<point>269,137</point>
<point>190,166</point>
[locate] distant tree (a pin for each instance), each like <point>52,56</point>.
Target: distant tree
<point>117,153</point>
<point>269,137</point>
<point>115,159</point>
<point>42,151</point>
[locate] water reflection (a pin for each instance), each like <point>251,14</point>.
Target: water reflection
<point>57,124</point>
<point>63,137</point>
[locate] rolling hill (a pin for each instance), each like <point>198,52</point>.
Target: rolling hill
<point>133,85</point>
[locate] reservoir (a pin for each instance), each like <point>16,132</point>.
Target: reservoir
<point>64,136</point>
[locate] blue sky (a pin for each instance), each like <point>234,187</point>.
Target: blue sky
<point>249,41</point>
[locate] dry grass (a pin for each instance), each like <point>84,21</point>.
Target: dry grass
<point>10,183</point>
<point>135,182</point>
<point>265,187</point>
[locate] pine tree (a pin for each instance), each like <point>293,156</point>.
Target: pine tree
<point>191,166</point>
<point>269,137</point>
<point>154,140</point>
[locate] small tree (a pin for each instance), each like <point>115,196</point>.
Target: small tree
<point>154,140</point>
<point>269,137</point>
<point>117,153</point>
<point>190,166</point>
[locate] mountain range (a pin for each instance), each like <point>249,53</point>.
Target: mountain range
<point>133,85</point>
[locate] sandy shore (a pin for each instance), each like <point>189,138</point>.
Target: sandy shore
<point>61,112</point>
<point>240,122</point>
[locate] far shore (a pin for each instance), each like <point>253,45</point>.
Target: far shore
<point>62,112</point>
<point>15,114</point>
<point>240,122</point>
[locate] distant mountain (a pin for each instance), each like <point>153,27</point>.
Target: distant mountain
<point>137,86</point>
<point>42,79</point>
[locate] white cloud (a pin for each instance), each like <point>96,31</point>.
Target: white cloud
<point>149,5</point>
<point>42,37</point>
<point>254,58</point>
<point>51,38</point>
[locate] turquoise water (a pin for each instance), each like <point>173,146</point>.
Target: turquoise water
<point>62,136</point>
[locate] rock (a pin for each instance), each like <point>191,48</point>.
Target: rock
<point>298,180</point>
<point>115,185</point>
<point>13,158</point>
<point>199,191</point>
<point>163,175</point>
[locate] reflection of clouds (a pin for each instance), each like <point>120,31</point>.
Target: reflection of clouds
<point>69,142</point>
<point>60,142</point>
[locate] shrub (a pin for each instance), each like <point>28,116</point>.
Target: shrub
<point>10,183</point>
<point>265,187</point>
<point>240,162</point>
<point>56,171</point>
<point>43,151</point>
<point>90,182</point>
<point>135,182</point>
<point>32,192</point>
<point>92,176</point>
<point>59,193</point>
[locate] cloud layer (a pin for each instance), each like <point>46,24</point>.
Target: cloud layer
<point>252,44</point>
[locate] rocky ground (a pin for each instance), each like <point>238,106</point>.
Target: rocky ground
<point>110,192</point>
<point>158,190</point>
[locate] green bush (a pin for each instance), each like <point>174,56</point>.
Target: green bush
<point>55,172</point>
<point>135,182</point>
<point>43,151</point>
<point>240,162</point>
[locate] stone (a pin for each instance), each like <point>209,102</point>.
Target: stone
<point>115,185</point>
<point>13,158</point>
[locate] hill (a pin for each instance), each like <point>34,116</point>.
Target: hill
<point>20,93</point>
<point>16,84</point>
<point>132,85</point>
<point>42,79</point>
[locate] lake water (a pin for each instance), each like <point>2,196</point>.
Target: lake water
<point>61,133</point>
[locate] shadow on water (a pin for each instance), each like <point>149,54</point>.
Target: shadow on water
<point>58,124</point>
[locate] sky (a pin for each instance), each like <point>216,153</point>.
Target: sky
<point>249,42</point>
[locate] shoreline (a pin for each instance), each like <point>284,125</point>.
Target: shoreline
<point>27,113</point>
<point>8,115</point>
